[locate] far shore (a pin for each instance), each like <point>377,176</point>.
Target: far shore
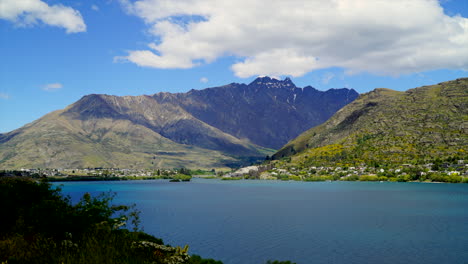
<point>85,178</point>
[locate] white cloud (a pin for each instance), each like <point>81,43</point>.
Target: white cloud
<point>203,80</point>
<point>29,12</point>
<point>274,37</point>
<point>95,7</point>
<point>4,96</point>
<point>52,86</point>
<point>275,62</point>
<point>146,58</point>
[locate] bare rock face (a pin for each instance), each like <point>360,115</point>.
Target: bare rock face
<point>268,112</point>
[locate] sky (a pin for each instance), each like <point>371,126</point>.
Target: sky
<point>53,52</point>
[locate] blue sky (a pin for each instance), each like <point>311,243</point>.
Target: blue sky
<point>148,46</point>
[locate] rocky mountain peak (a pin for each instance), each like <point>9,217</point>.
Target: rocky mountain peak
<point>269,82</point>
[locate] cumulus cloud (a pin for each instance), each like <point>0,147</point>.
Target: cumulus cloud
<point>203,80</point>
<point>276,62</point>
<point>29,12</point>
<point>146,58</point>
<point>52,86</point>
<point>275,37</point>
<point>95,7</point>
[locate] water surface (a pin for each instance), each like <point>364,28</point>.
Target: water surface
<point>249,222</point>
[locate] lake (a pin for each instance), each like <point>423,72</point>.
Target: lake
<point>250,222</point>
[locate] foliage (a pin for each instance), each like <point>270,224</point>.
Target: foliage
<point>195,259</point>
<point>350,178</point>
<point>369,178</point>
<point>283,177</point>
<point>319,178</point>
<point>203,172</point>
<point>181,177</point>
<point>42,226</point>
<point>184,171</point>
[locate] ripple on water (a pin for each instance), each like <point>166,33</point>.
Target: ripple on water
<point>249,222</point>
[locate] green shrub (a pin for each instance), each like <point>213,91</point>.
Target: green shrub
<point>295,178</point>
<point>404,178</point>
<point>182,177</point>
<point>383,178</point>
<point>350,178</point>
<point>195,259</point>
<point>282,177</point>
<point>369,178</point>
<point>42,226</point>
<point>319,178</point>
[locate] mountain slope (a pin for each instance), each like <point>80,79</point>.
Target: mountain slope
<point>58,143</point>
<point>421,124</point>
<point>267,112</point>
<point>217,127</point>
<point>168,120</point>
<point>128,132</point>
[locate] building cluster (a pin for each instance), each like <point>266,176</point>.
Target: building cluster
<point>94,172</point>
<point>460,168</point>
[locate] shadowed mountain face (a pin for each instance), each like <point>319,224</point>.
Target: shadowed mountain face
<point>386,126</point>
<point>267,112</point>
<point>211,128</point>
<point>168,120</point>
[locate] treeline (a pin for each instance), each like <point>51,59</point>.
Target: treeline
<point>102,175</point>
<point>429,177</point>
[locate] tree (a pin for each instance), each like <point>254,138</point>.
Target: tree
<point>40,225</point>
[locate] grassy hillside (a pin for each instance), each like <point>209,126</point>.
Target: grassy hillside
<point>58,141</point>
<point>386,126</point>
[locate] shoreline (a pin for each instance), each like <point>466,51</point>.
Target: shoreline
<point>131,178</point>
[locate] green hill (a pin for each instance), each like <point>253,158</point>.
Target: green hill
<point>385,126</point>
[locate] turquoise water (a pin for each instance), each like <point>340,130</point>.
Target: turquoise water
<point>249,222</point>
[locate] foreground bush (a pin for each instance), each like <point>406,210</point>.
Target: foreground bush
<point>39,225</point>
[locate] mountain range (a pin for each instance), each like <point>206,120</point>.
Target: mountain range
<point>384,126</point>
<point>216,127</point>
